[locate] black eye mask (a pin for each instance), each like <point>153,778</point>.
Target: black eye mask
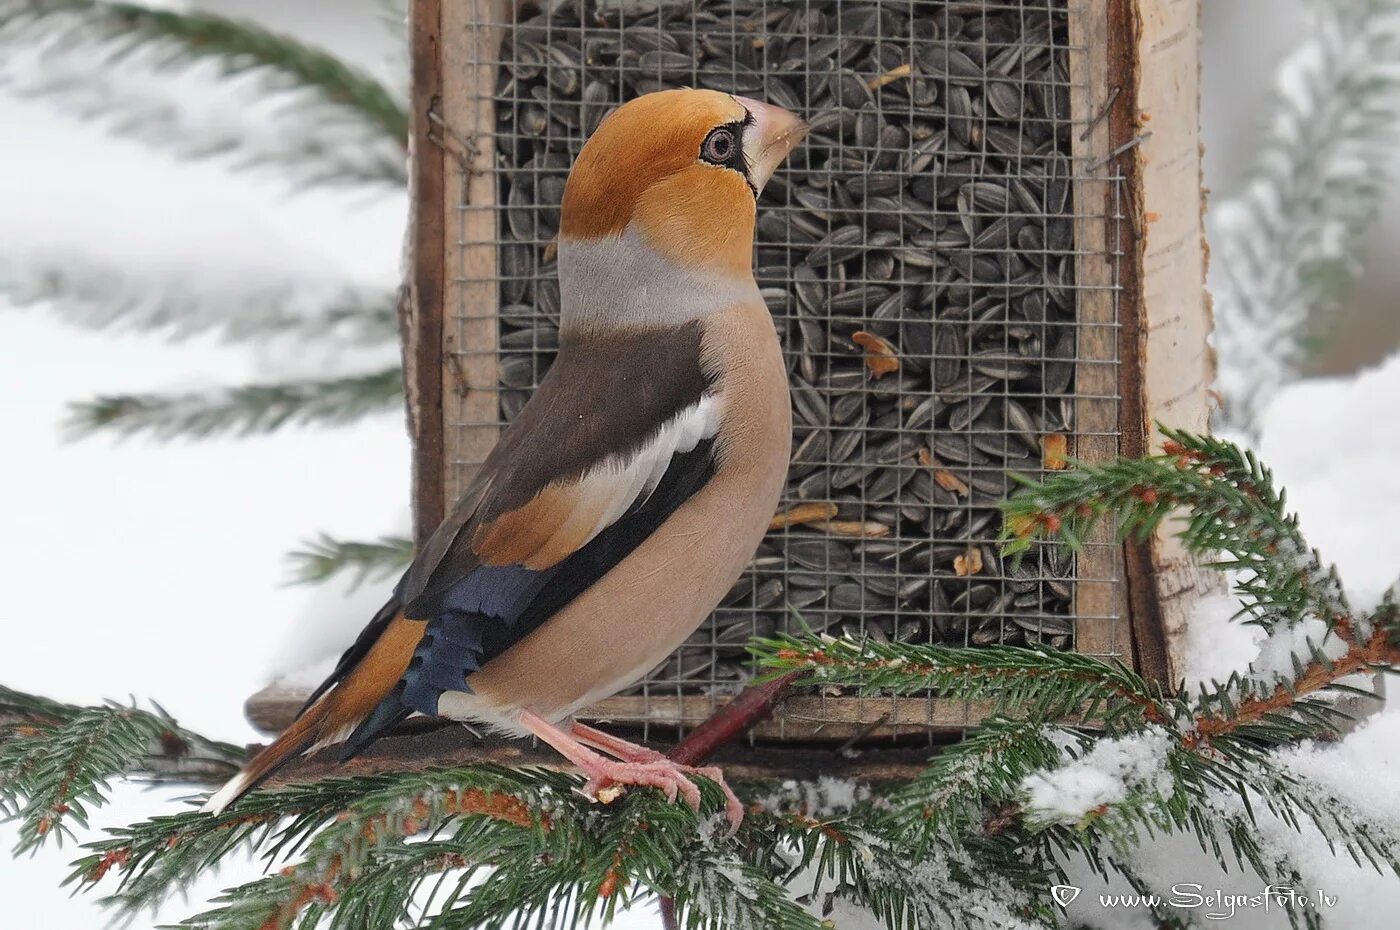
<point>724,146</point>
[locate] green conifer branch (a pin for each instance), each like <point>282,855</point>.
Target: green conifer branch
<point>265,99</point>
<point>56,759</point>
<point>870,858</point>
<point>988,821</point>
<point>1039,684</point>
<point>1164,916</point>
<point>326,557</point>
<point>236,46</point>
<point>107,297</point>
<point>1289,244</point>
<point>973,779</point>
<point>1234,517</point>
<point>241,410</point>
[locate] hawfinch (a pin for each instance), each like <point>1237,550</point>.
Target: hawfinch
<point>629,494</point>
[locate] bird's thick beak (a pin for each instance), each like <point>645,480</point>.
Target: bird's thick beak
<point>772,135</point>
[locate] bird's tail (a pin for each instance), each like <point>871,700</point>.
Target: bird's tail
<point>357,689</point>
<point>305,731</point>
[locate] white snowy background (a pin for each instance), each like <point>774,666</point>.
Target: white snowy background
<point>159,569</point>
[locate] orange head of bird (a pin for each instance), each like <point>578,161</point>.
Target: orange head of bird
<point>679,171</point>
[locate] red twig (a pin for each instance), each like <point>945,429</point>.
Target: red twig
<point>724,726</point>
<point>668,914</point>
<point>732,720</point>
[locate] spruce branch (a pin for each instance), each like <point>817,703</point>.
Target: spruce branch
<point>106,297</point>
<point>1296,799</point>
<point>864,857</point>
<point>1017,782</point>
<point>1218,796</point>
<point>337,855</point>
<point>1289,711</point>
<point>715,891</point>
<point>364,843</point>
<point>1039,684</point>
<point>1164,917</point>
<point>972,780</point>
<point>326,557</point>
<point>149,858</point>
<point>1274,865</point>
<point>236,46</point>
<point>114,62</point>
<point>56,759</point>
<point>1233,515</point>
<point>241,410</point>
<point>973,842</point>
<point>1290,244</point>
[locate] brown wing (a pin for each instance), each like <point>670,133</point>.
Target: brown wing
<point>599,406</point>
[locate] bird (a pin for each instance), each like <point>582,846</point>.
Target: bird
<point>631,490</point>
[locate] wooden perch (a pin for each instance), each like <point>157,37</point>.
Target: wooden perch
<point>422,745</point>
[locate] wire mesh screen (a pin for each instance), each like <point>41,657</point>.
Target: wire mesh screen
<point>919,254</point>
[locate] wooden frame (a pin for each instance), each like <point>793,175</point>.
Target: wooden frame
<point>1168,364</point>
<point>1140,234</point>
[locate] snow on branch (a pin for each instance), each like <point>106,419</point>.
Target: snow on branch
<point>1103,775</point>
<point>206,86</point>
<point>179,306</point>
<point>1289,245</point>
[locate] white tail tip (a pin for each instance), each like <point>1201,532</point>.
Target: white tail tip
<point>224,796</point>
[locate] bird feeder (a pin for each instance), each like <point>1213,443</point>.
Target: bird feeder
<point>986,258</point>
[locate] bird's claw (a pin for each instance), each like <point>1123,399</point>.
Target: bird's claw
<point>608,782</point>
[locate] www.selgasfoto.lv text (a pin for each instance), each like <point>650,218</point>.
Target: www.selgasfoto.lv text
<point>1216,903</point>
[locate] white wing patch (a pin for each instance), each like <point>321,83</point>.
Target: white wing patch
<point>613,487</point>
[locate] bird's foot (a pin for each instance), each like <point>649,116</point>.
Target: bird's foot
<point>626,751</point>
<point>631,765</point>
<point>606,779</point>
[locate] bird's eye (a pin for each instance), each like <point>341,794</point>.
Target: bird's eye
<point>719,146</point>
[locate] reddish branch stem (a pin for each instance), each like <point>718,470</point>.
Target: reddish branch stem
<point>668,914</point>
<point>1376,652</point>
<point>732,720</point>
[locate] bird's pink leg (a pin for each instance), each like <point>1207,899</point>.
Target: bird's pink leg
<point>634,765</point>
<point>613,745</point>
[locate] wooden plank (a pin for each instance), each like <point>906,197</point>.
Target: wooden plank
<point>802,717</point>
<point>1100,595</point>
<point>1166,350</point>
<point>472,33</point>
<point>421,313</point>
<point>435,746</point>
